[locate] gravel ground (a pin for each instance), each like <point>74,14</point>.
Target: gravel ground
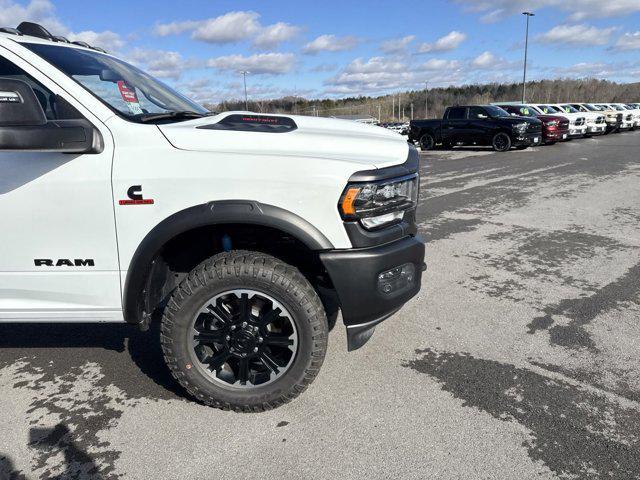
<point>517,360</point>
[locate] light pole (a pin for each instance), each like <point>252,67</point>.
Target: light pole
<point>426,99</point>
<point>526,51</point>
<point>246,98</point>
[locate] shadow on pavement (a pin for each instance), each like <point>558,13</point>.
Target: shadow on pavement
<point>7,469</point>
<point>55,349</point>
<point>77,462</point>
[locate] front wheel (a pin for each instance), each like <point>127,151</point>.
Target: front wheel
<point>427,142</point>
<point>501,142</point>
<point>244,331</point>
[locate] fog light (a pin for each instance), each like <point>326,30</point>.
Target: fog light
<point>397,279</point>
<point>371,223</point>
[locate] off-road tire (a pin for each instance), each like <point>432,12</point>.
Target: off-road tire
<point>501,142</point>
<point>259,272</point>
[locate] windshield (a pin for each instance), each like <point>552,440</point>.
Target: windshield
<point>127,90</point>
<point>547,109</point>
<point>569,109</point>
<point>494,111</point>
<point>593,108</point>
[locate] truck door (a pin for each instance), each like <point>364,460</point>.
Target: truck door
<point>479,128</point>
<point>58,253</point>
<point>455,126</point>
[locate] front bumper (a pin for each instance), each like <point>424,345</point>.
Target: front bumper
<point>555,135</point>
<point>355,276</point>
<point>577,131</point>
<point>597,129</point>
<point>529,139</point>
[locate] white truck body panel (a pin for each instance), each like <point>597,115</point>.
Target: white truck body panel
<point>59,206</point>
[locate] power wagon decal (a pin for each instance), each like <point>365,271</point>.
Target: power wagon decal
<point>254,123</point>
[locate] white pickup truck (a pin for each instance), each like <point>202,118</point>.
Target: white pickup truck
<point>242,234</point>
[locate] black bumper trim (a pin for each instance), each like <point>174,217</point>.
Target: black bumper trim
<point>358,335</point>
<point>354,274</point>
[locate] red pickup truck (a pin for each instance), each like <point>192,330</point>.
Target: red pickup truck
<point>555,128</point>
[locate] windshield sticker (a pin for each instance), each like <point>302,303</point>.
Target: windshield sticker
<point>129,96</point>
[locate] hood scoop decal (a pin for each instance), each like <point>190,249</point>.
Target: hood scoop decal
<point>253,123</point>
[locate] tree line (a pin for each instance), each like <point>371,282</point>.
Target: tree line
<point>431,104</point>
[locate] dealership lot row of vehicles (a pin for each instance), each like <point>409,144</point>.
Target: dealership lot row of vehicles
<point>516,125</point>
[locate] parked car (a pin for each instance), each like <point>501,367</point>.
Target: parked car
<point>555,128</point>
<point>596,122</point>
<point>635,107</point>
<point>635,111</point>
<point>477,125</point>
<point>399,127</point>
<point>612,118</point>
<point>124,201</point>
<point>577,121</point>
<point>626,117</point>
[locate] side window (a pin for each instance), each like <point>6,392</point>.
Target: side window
<point>456,113</point>
<point>54,106</point>
<point>477,113</point>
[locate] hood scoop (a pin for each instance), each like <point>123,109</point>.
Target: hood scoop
<point>253,123</point>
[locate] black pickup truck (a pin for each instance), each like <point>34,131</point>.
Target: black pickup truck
<point>477,125</point>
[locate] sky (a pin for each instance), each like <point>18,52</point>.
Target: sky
<point>335,49</point>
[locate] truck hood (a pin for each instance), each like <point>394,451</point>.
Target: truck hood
<point>242,133</point>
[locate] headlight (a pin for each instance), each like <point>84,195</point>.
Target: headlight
<point>521,127</point>
<point>379,204</point>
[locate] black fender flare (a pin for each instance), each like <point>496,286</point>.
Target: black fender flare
<point>246,212</point>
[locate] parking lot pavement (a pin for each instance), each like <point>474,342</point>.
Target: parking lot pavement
<point>518,360</point>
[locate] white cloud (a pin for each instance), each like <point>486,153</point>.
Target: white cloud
<point>228,28</point>
<point>579,35</point>
<point>588,70</point>
<point>396,45</point>
<point>259,64</point>
<point>175,28</point>
<point>273,35</point>
<point>484,60</point>
<point>436,64</point>
<point>628,41</point>
<point>43,12</point>
<point>162,63</point>
<point>324,67</point>
<point>488,61</point>
<point>39,11</point>
<point>232,27</point>
<point>108,40</point>
<point>330,43</point>
<point>449,42</point>
<point>383,74</point>
<point>496,10</point>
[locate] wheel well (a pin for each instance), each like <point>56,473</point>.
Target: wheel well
<point>181,254</point>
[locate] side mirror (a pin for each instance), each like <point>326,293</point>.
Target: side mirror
<point>24,126</point>
<point>482,116</point>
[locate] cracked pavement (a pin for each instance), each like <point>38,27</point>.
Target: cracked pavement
<point>519,358</point>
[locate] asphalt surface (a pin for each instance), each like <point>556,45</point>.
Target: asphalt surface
<point>518,360</point>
